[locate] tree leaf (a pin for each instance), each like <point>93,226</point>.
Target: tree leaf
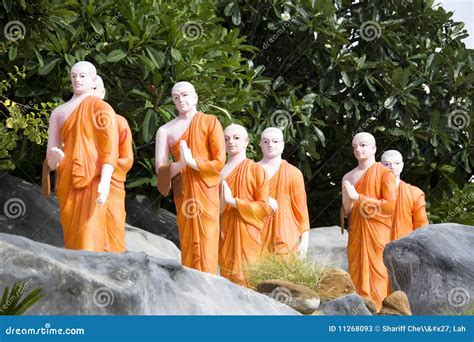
<point>176,54</point>
<point>48,67</point>
<point>116,56</point>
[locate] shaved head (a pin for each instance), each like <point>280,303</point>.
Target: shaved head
<point>236,129</point>
<point>273,131</point>
<point>364,136</point>
<point>394,161</point>
<point>83,75</point>
<point>85,65</point>
<point>391,154</point>
<point>236,140</point>
<point>183,85</point>
<point>98,88</point>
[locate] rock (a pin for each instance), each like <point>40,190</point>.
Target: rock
<point>396,304</point>
<point>350,305</point>
<point>334,283</point>
<point>328,246</point>
<point>434,266</point>
<point>141,213</point>
<point>138,240</point>
<point>370,304</point>
<point>299,297</point>
<point>131,283</point>
<point>27,213</point>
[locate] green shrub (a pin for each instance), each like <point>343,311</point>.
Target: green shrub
<point>298,271</point>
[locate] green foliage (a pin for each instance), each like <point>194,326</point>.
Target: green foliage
<point>297,271</point>
<point>307,66</point>
<point>334,80</point>
<point>458,208</point>
<point>140,49</point>
<point>24,123</point>
<point>12,302</point>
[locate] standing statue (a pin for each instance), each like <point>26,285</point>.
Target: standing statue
<point>116,214</point>
<point>83,149</point>
<point>196,142</point>
<point>286,231</point>
<point>368,197</point>
<point>244,198</point>
<point>410,209</point>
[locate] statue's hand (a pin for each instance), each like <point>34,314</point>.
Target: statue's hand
<point>187,155</point>
<point>103,190</point>
<point>228,197</point>
<point>273,204</point>
<point>303,246</point>
<point>56,155</point>
<point>351,191</point>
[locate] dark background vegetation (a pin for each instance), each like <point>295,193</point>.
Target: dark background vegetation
<point>305,66</point>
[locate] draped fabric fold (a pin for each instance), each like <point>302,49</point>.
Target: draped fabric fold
<point>283,229</point>
<point>370,227</point>
<point>241,227</point>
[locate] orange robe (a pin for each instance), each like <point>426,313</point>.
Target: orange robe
<point>196,193</point>
<point>90,140</point>
<point>370,224</point>
<point>115,239</point>
<point>410,211</point>
<point>283,229</point>
<point>241,227</point>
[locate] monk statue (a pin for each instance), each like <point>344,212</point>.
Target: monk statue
<point>83,149</point>
<point>368,198</point>
<point>196,142</point>
<point>244,208</point>
<point>286,230</point>
<point>116,202</point>
<point>410,209</point>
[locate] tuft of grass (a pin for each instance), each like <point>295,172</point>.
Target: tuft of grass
<point>12,303</point>
<point>289,268</point>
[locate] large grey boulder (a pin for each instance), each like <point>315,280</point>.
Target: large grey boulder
<point>326,245</point>
<point>434,266</point>
<point>25,212</point>
<point>89,283</point>
<point>138,240</point>
<point>349,305</point>
<point>142,213</point>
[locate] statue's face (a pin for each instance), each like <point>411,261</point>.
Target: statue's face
<point>363,147</point>
<point>272,144</point>
<point>394,163</point>
<point>184,99</point>
<point>99,90</point>
<point>236,140</point>
<point>82,80</point>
